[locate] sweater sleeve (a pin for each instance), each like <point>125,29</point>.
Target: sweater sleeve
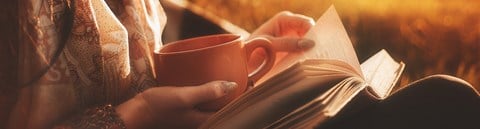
<point>102,117</point>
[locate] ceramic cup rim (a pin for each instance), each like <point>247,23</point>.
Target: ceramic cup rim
<point>235,38</point>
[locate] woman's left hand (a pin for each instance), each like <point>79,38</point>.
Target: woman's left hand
<point>172,107</point>
<point>285,30</point>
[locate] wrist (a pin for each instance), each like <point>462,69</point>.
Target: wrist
<point>136,113</point>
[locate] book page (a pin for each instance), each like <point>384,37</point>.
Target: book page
<point>381,73</point>
<point>289,90</point>
<point>331,42</point>
<point>270,108</point>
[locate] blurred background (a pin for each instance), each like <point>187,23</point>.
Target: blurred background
<point>430,36</point>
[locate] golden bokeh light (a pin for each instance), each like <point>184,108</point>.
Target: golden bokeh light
<point>430,36</point>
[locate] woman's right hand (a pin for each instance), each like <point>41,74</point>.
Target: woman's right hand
<point>172,107</point>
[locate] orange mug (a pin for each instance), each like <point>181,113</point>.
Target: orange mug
<point>203,59</point>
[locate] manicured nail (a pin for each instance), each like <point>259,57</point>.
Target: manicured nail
<point>228,87</point>
<point>305,43</point>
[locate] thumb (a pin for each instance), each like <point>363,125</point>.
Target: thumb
<point>195,95</point>
<point>291,44</point>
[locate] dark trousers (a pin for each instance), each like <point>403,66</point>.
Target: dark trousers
<point>435,102</point>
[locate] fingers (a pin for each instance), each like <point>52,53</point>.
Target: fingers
<point>286,24</point>
<point>194,95</point>
<point>291,24</point>
<point>285,31</point>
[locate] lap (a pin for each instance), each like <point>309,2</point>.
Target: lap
<point>438,101</point>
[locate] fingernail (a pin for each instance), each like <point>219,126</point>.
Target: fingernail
<point>305,44</point>
<point>228,87</point>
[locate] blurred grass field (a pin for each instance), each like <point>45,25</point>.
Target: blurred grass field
<point>430,36</point>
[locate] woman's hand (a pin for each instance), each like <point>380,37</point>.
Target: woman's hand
<point>285,30</point>
<point>172,107</point>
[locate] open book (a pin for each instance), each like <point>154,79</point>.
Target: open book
<point>308,88</point>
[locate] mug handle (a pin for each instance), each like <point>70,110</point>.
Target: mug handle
<point>250,46</point>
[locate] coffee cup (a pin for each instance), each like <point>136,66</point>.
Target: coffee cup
<point>203,59</point>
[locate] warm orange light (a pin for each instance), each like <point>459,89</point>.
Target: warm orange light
<point>431,36</point>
